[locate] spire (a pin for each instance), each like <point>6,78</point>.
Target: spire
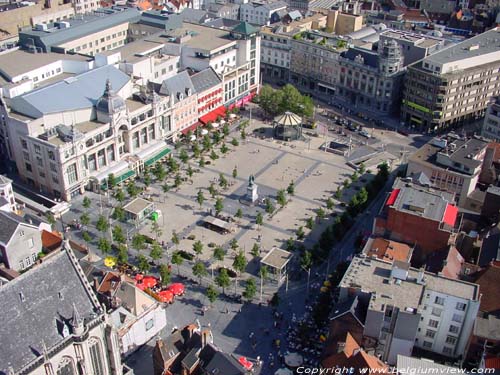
<point>76,322</point>
<point>45,352</point>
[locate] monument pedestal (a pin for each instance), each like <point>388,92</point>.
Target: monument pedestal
<point>252,194</point>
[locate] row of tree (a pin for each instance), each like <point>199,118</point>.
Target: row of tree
<point>277,101</point>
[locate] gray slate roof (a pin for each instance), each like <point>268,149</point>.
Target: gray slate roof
<point>178,84</point>
<point>79,92</point>
<point>9,223</point>
<point>165,21</point>
<point>49,291</point>
<point>205,80</point>
<point>225,364</point>
<point>194,15</point>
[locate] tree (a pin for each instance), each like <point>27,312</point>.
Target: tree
<point>330,203</point>
<point>85,219</point>
<point>159,172</point>
<point>87,238</point>
<point>222,181</point>
<point>306,264</point>
<point>216,137</point>
<point>111,181</point>
<point>270,100</point>
<point>207,143</point>
<point>224,149</point>
<point>255,250</point>
<point>165,274</point>
<point>86,203</point>
<point>175,238</point>
<point>281,197</point>
<point>196,150</point>
<point>361,168</point>
<point>165,188</point>
<point>199,270</point>
<point>225,130</point>
<point>146,179</point>
<point>300,233</point>
<point>320,213</point>
<point>291,188</point>
<point>219,206</point>
<point>275,300</point>
<point>102,224</point>
<point>177,260</point>
<point>132,189</point>
<point>120,195</point>
<point>240,262</point>
<point>118,214</point>
<point>250,290</point>
<point>213,155</point>
<point>183,156</point>
<point>50,218</point>
<point>235,172</point>
<point>156,251</point>
<point>211,294</point>
<point>235,142</point>
<point>156,229</point>
<point>243,134</point>
<point>200,198</point>
<point>122,253</point>
<point>346,183</point>
<point>219,253</point>
<point>259,219</point>
<point>212,190</point>
<point>355,177</point>
<point>173,166</point>
<point>234,244</point>
<point>104,245</point>
<point>269,206</point>
<point>309,223</point>
<point>177,180</point>
<point>190,171</point>
<point>223,280</point>
<point>143,264</point>
<point>239,213</point>
<point>198,248</point>
<point>338,193</point>
<point>201,163</point>
<point>118,235</point>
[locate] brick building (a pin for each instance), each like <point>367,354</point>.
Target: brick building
<point>417,215</point>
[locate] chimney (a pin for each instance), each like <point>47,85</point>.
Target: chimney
<point>205,337</point>
<point>420,277</point>
<point>96,283</point>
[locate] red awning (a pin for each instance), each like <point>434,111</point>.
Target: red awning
<point>166,296</point>
<point>212,116</point>
<point>245,363</point>
<point>450,215</point>
<point>392,197</point>
<point>177,289</point>
<point>192,127</point>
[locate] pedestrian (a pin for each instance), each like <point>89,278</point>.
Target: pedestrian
<point>227,310</point>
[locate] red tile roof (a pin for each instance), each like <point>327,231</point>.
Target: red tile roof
<point>454,262</point>
<point>389,250</point>
<point>450,215</point>
<point>492,362</point>
<point>51,240</point>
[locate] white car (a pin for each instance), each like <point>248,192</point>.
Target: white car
<point>364,133</point>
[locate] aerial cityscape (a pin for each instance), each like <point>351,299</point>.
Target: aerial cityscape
<point>236,187</point>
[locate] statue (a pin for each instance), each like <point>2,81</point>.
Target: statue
<point>252,194</point>
<point>251,180</point>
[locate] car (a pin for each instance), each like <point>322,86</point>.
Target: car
<point>351,127</point>
<point>364,133</point>
<point>403,132</point>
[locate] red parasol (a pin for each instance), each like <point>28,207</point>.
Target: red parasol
<point>177,289</point>
<point>245,363</point>
<point>149,281</point>
<point>139,277</point>
<point>166,296</point>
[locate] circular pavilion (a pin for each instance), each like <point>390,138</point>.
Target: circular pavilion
<point>288,127</point>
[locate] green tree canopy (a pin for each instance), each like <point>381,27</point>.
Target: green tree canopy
<point>250,289</point>
<point>223,280</point>
<point>198,247</point>
<point>165,274</point>
<point>156,251</point>
<point>240,262</point>
<point>118,235</point>
<point>177,260</point>
<point>219,206</point>
<point>142,263</point>
<point>104,245</point>
<point>102,224</point>
<point>199,270</point>
<point>200,198</point>
<point>212,294</point>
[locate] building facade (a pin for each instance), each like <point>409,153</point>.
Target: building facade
<point>409,308</point>
<point>491,125</point>
<point>262,14</point>
<point>454,86</point>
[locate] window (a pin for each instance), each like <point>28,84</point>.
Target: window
<point>457,318</point>
<point>51,155</point>
<point>447,351</point>
<point>31,243</point>
<point>439,300</point>
<point>454,329</point>
<point>433,323</point>
<point>28,167</point>
<point>427,344</point>
<point>436,311</point>
<point>430,333</point>
<point>96,356</point>
<point>53,167</point>
<point>150,324</point>
<point>71,171</point>
<point>461,306</point>
<point>451,340</point>
<point>26,155</point>
<point>66,367</point>
<point>37,149</point>
<point>55,179</point>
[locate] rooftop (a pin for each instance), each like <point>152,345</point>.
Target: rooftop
<point>372,275</point>
<point>9,223</point>
<point>36,305</point>
<point>488,280</point>
<point>78,92</point>
<point>205,80</point>
<point>277,258</point>
<point>137,206</point>
<point>480,45</point>
<point>99,20</point>
<point>488,328</point>
<point>420,40</point>
<point>18,62</point>
<point>203,37</point>
<point>387,250</point>
<point>425,365</point>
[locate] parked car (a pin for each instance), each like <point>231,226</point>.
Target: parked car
<point>365,134</point>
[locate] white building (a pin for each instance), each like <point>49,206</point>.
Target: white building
<point>409,308</point>
<point>7,193</point>
<point>491,125</point>
<point>262,13</point>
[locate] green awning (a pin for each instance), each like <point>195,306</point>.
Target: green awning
<point>118,179</point>
<point>157,157</point>
<point>416,106</point>
<point>418,121</point>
